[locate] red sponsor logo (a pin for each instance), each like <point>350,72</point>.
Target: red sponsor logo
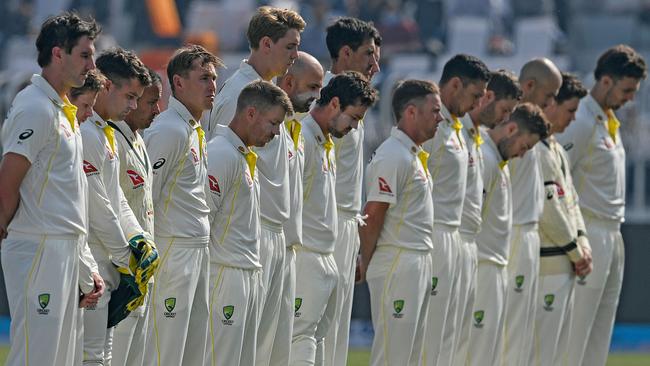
<point>290,155</point>
<point>89,168</point>
<point>67,132</point>
<point>384,187</point>
<point>214,184</point>
<point>560,191</point>
<point>136,179</point>
<point>195,156</point>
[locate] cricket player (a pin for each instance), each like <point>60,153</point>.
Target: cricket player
<point>273,37</point>
<point>509,139</point>
<point>43,201</point>
<point>234,200</point>
<point>84,97</point>
<point>501,97</point>
<point>136,175</point>
<point>462,84</point>
<point>397,240</point>
<point>112,224</point>
<point>177,147</point>
<point>342,104</point>
<point>597,159</point>
<point>565,250</point>
<point>540,81</point>
<point>354,45</point>
<point>302,83</point>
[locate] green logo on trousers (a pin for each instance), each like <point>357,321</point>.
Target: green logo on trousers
<point>296,306</point>
<point>398,306</point>
<point>548,302</point>
<point>170,304</point>
<point>478,318</point>
<point>43,302</point>
<point>434,284</point>
<point>228,310</point>
<point>519,283</point>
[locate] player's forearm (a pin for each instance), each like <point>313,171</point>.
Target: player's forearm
<point>369,234</point>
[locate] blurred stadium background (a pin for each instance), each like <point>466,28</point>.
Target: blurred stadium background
<point>419,36</point>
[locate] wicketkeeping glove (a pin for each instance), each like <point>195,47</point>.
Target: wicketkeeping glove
<point>144,260</point>
<point>126,298</point>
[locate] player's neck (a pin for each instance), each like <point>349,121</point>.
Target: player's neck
<point>600,95</point>
<point>321,116</point>
<point>54,78</point>
<point>474,116</point>
<point>260,64</point>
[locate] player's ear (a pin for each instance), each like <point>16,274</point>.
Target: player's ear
<point>334,104</point>
<point>265,44</point>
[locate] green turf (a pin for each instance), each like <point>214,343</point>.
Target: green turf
<point>362,358</point>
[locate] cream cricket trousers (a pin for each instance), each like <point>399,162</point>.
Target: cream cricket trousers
<point>444,292</point>
<point>315,306</point>
<point>42,279</point>
<point>486,336</point>
<point>234,315</point>
<point>399,281</point>
<point>282,343</point>
<point>597,295</point>
<point>347,248</point>
<point>179,313</point>
<point>129,336</point>
<point>272,256</point>
<point>468,263</point>
<point>553,320</point>
<point>523,271</point>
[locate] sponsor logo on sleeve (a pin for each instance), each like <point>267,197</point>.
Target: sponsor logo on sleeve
<point>159,163</point>
<point>568,146</point>
<point>90,169</point>
<point>214,185</point>
<point>26,134</point>
<point>384,187</point>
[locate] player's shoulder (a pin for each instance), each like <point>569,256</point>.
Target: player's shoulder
<point>34,104</point>
<point>392,153</point>
<point>169,126</point>
<point>91,130</point>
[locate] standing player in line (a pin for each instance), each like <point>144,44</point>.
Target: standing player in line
<point>501,97</point>
<point>43,200</point>
<point>507,140</point>
<point>353,46</point>
<point>540,80</point>
<point>565,250</point>
<point>273,38</point>
<point>302,83</point>
<point>85,96</point>
<point>113,228</point>
<point>597,158</point>
<point>342,104</point>
<point>234,200</point>
<point>177,147</point>
<point>136,175</point>
<point>462,84</point>
<point>396,244</point>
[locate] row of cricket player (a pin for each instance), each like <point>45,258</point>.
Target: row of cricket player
<point>486,208</point>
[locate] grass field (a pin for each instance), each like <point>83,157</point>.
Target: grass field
<point>362,357</point>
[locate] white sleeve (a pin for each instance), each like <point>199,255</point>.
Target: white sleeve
<point>575,140</point>
<point>165,149</point>
<point>87,266</point>
<point>130,225</point>
<point>221,114</point>
<point>382,180</point>
<point>27,131</point>
<point>102,218</point>
<point>222,176</point>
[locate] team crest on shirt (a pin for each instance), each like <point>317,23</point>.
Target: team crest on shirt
<point>455,143</point>
<point>136,179</point>
<point>384,187</point>
<point>195,156</point>
<point>90,169</point>
<point>470,159</point>
<point>548,302</point>
<point>214,185</point>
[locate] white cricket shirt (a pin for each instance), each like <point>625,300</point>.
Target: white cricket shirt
<point>470,222</point>
<point>296,155</point>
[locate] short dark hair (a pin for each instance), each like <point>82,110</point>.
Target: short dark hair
<point>468,68</point>
<point>504,85</point>
<point>351,88</point>
<point>182,60</point>
<point>351,32</point>
<point>155,78</point>
<point>263,95</point>
<point>94,83</point>
<point>531,119</point>
<point>120,65</point>
<point>619,62</point>
<point>273,23</point>
<point>571,88</point>
<point>409,92</point>
<point>63,31</point>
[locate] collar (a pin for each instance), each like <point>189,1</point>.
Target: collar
<point>310,123</point>
<point>445,113</point>
<point>595,109</point>
<point>468,125</point>
<point>248,71</point>
<point>40,82</point>
<point>97,120</point>
<point>328,76</point>
<point>298,116</point>
<point>182,111</point>
<point>126,130</point>
<point>405,140</point>
<point>493,145</point>
<point>233,139</point>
